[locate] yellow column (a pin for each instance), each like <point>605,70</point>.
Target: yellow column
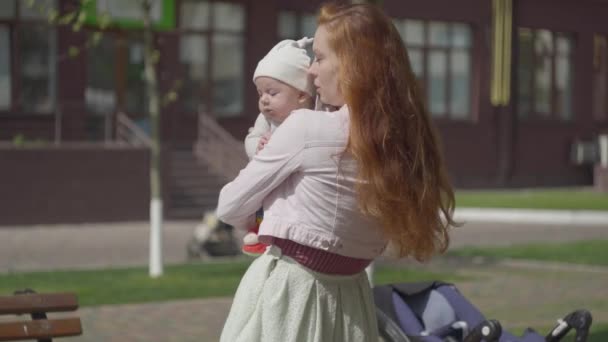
<point>502,21</point>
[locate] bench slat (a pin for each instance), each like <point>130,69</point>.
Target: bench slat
<point>39,302</point>
<point>24,330</point>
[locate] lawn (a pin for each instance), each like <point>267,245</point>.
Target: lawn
<point>133,285</point>
<point>597,333</point>
<point>533,199</point>
<point>593,252</point>
<point>200,280</point>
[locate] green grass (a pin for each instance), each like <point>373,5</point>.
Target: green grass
<point>188,281</point>
<point>133,285</point>
<point>593,252</point>
<point>533,199</point>
<point>598,333</point>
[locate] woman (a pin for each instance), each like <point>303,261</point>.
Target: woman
<point>337,186</point>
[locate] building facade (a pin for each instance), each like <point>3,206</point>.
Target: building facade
<point>558,60</point>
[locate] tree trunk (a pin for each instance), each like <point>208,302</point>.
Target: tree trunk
<point>156,204</point>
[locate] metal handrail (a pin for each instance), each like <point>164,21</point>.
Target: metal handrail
<point>218,149</point>
<point>128,132</point>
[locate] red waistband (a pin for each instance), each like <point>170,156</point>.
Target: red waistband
<point>319,260</point>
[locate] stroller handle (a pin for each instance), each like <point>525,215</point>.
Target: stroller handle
<point>580,320</point>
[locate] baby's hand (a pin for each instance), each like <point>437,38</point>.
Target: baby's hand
<point>263,141</point>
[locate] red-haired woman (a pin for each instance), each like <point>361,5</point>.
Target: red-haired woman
<point>337,187</point>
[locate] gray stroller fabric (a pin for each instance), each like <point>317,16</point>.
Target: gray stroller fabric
<point>433,309</point>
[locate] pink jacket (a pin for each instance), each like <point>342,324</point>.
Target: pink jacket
<point>306,189</point>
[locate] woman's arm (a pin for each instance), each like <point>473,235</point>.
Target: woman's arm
<point>281,157</point>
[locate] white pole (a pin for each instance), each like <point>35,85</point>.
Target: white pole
<point>603,142</point>
<point>156,250</point>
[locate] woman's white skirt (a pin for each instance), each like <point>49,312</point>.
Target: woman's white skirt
<point>281,300</point>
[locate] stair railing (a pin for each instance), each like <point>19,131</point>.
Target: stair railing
<point>127,132</point>
<point>218,149</point>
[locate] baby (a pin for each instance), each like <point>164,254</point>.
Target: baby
<point>283,85</point>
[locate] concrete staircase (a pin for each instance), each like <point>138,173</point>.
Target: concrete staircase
<point>193,188</point>
<point>198,172</point>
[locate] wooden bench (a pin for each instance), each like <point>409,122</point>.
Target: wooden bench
<point>37,305</point>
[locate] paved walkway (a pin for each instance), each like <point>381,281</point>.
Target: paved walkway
<point>534,216</point>
<point>88,245</point>
<point>126,244</point>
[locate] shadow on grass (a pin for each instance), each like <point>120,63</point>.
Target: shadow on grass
<point>599,333</point>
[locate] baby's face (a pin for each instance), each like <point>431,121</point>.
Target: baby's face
<point>277,100</point>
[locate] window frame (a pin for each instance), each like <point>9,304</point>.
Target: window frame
<point>426,48</point>
<point>206,90</point>
<point>14,26</point>
<point>552,116</point>
<point>597,115</point>
<point>299,16</point>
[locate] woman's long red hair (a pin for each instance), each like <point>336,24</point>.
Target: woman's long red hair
<point>404,181</point>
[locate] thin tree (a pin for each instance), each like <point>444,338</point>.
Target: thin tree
<point>156,204</point>
<point>76,19</point>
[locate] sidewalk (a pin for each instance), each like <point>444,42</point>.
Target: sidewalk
<point>86,246</point>
<point>534,216</point>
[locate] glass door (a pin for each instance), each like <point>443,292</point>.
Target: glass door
<point>115,83</point>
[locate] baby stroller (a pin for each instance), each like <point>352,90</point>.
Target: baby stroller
<point>437,312</point>
<point>213,238</point>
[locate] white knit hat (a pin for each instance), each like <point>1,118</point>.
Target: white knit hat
<point>288,62</point>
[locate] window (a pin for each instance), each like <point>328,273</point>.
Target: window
<point>136,101</point>
<point>37,9</point>
<point>211,53</point>
<point>5,71</point>
<point>100,92</point>
<point>33,55</point>
<point>544,74</point>
<point>115,81</point>
<point>101,96</point>
<point>7,10</point>
<point>600,77</point>
<point>294,25</point>
<point>37,56</point>
<point>440,55</point>
<point>194,56</point>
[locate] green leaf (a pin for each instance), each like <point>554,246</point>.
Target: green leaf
<point>82,16</point>
<point>52,15</point>
<point>104,20</point>
<point>96,37</point>
<point>171,96</point>
<point>67,18</point>
<point>19,140</point>
<point>73,51</point>
<point>155,56</point>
